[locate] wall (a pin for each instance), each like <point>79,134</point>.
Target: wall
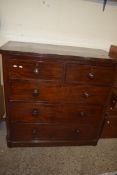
<point>67,22</point>
<point>71,22</point>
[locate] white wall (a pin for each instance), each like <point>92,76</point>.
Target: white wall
<point>68,22</point>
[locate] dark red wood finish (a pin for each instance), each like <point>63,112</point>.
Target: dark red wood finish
<point>110,128</point>
<point>28,132</point>
<point>110,124</point>
<point>57,93</point>
<point>56,96</point>
<point>90,74</point>
<point>30,69</point>
<point>51,113</point>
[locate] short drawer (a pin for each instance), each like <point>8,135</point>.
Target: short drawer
<point>42,70</point>
<point>50,113</point>
<point>28,132</point>
<point>90,74</point>
<point>110,128</point>
<point>54,93</point>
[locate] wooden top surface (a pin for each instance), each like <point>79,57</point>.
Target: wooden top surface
<point>36,48</point>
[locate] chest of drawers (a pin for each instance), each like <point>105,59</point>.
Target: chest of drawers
<point>55,96</point>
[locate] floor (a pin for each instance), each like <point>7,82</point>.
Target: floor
<point>85,160</point>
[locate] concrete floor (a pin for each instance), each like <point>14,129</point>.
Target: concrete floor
<point>85,160</point>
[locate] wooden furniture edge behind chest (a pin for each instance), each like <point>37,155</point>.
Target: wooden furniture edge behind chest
<point>110,123</point>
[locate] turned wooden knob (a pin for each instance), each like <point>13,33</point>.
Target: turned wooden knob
<point>86,95</point>
<point>36,71</point>
<point>34,131</point>
<point>82,114</point>
<point>108,122</point>
<point>77,131</point>
<point>91,75</point>
<point>35,93</point>
<point>114,102</point>
<point>35,112</point>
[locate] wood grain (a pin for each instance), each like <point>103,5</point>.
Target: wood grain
<point>51,113</point>
<point>57,96</point>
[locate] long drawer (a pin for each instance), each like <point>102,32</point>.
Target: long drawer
<point>54,93</point>
<point>43,70</point>
<point>28,132</point>
<point>51,113</point>
<point>90,74</point>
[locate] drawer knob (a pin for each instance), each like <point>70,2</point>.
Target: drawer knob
<point>114,102</point>
<point>77,131</point>
<point>34,131</point>
<point>86,95</point>
<point>35,112</point>
<point>108,122</point>
<point>111,108</point>
<point>36,71</point>
<point>91,75</point>
<point>21,67</point>
<point>15,66</point>
<point>82,114</point>
<point>35,93</point>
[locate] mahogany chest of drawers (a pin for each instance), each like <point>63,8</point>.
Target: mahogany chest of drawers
<point>56,95</point>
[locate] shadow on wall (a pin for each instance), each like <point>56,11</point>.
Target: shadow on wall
<point>109,2</point>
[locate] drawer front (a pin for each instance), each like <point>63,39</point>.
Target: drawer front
<point>115,83</point>
<point>35,70</point>
<point>112,113</point>
<point>27,90</point>
<point>90,74</point>
<point>28,132</point>
<point>112,106</point>
<point>110,128</point>
<point>45,113</point>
